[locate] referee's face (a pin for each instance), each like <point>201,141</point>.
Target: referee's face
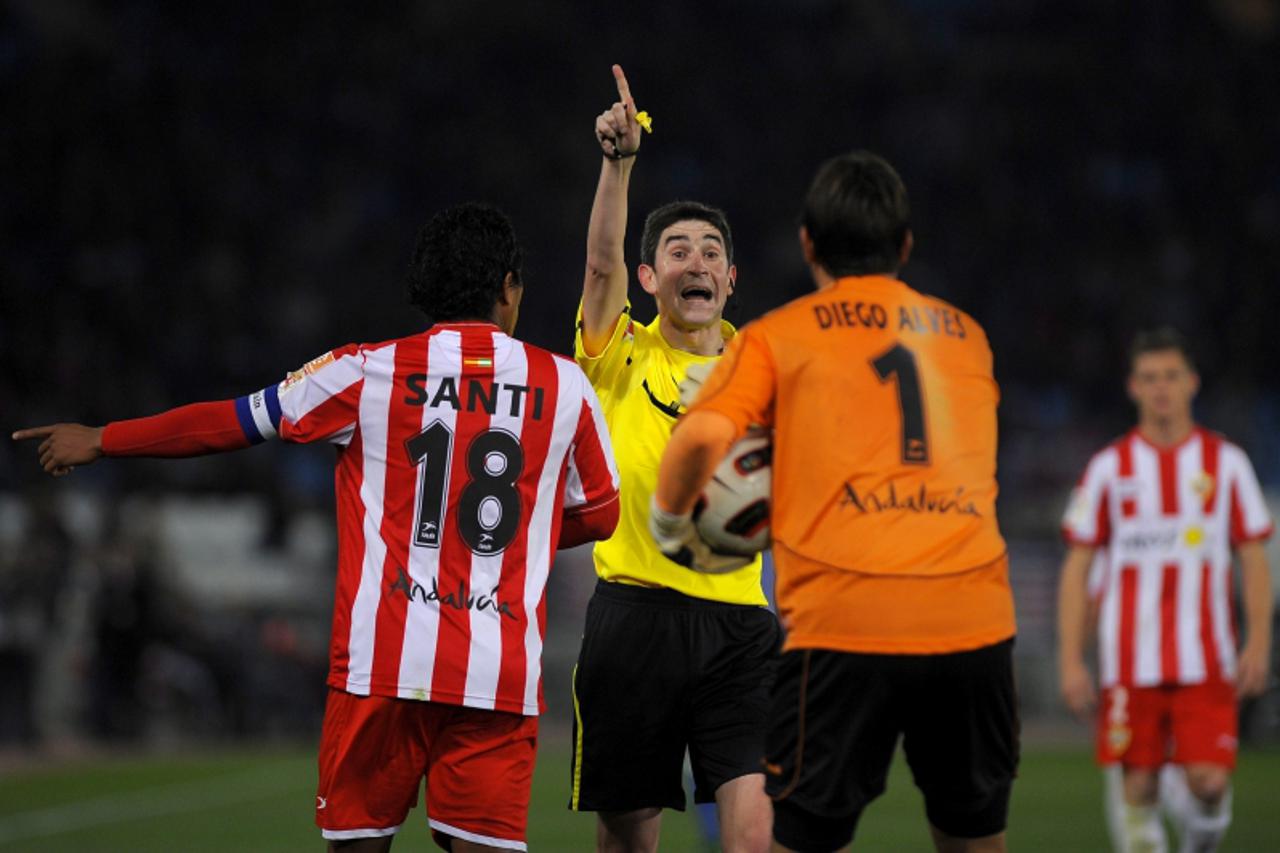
<point>691,275</point>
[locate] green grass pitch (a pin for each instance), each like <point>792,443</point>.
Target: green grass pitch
<point>261,801</point>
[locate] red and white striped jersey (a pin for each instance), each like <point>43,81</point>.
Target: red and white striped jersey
<point>459,450</point>
<point>1166,521</point>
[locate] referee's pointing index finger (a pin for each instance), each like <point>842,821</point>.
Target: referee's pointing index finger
<point>624,91</point>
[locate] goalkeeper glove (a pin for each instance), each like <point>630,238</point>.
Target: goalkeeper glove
<point>679,542</point>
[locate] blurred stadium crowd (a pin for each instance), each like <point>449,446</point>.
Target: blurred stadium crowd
<point>200,198</point>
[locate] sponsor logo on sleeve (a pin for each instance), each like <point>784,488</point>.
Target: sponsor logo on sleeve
<point>296,376</point>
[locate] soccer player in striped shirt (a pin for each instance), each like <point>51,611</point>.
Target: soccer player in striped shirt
<point>1167,504</point>
<point>465,459</point>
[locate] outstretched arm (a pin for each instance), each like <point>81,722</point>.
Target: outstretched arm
<point>604,285</point>
<point>193,430</point>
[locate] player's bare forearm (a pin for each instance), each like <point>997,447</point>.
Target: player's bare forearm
<point>1073,616</point>
<point>692,454</point>
<point>1073,603</point>
<point>604,287</point>
<point>1259,606</point>
<point>64,446</point>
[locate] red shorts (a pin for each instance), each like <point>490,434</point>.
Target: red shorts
<point>374,751</point>
<point>1183,724</point>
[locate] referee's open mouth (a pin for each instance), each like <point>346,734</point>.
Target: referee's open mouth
<point>697,292</point>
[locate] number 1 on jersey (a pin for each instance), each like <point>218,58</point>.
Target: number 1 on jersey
<point>899,364</point>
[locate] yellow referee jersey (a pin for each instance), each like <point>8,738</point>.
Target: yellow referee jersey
<point>637,377</point>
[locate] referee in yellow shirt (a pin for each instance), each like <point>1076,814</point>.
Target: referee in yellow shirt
<point>671,659</point>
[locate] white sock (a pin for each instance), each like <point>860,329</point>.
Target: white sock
<point>1175,797</point>
<point>1143,831</point>
<point>1113,804</point>
<point>1205,825</point>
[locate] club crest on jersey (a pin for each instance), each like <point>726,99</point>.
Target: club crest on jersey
<point>1194,535</point>
<point>1202,484</point>
<point>296,376</point>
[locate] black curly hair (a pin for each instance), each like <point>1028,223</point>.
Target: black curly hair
<point>460,260</point>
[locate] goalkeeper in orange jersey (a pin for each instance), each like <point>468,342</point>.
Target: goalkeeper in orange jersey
<point>892,579</point>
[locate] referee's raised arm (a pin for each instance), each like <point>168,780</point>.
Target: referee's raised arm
<point>604,284</point>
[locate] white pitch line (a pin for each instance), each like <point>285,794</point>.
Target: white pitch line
<point>137,805</point>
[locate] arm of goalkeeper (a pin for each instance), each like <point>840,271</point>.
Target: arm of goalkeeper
<point>696,447</point>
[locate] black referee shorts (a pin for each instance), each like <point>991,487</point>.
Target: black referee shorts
<point>835,721</point>
<point>660,672</point>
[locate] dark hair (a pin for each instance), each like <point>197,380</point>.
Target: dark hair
<point>460,260</point>
<point>662,218</point>
<point>857,214</point>
<point>1160,340</point>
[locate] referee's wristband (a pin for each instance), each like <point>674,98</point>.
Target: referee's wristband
<point>617,154</point>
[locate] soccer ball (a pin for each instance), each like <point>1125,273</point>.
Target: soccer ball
<point>732,514</point>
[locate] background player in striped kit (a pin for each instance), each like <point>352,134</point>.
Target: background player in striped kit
<point>465,458</point>
<point>1168,503</point>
